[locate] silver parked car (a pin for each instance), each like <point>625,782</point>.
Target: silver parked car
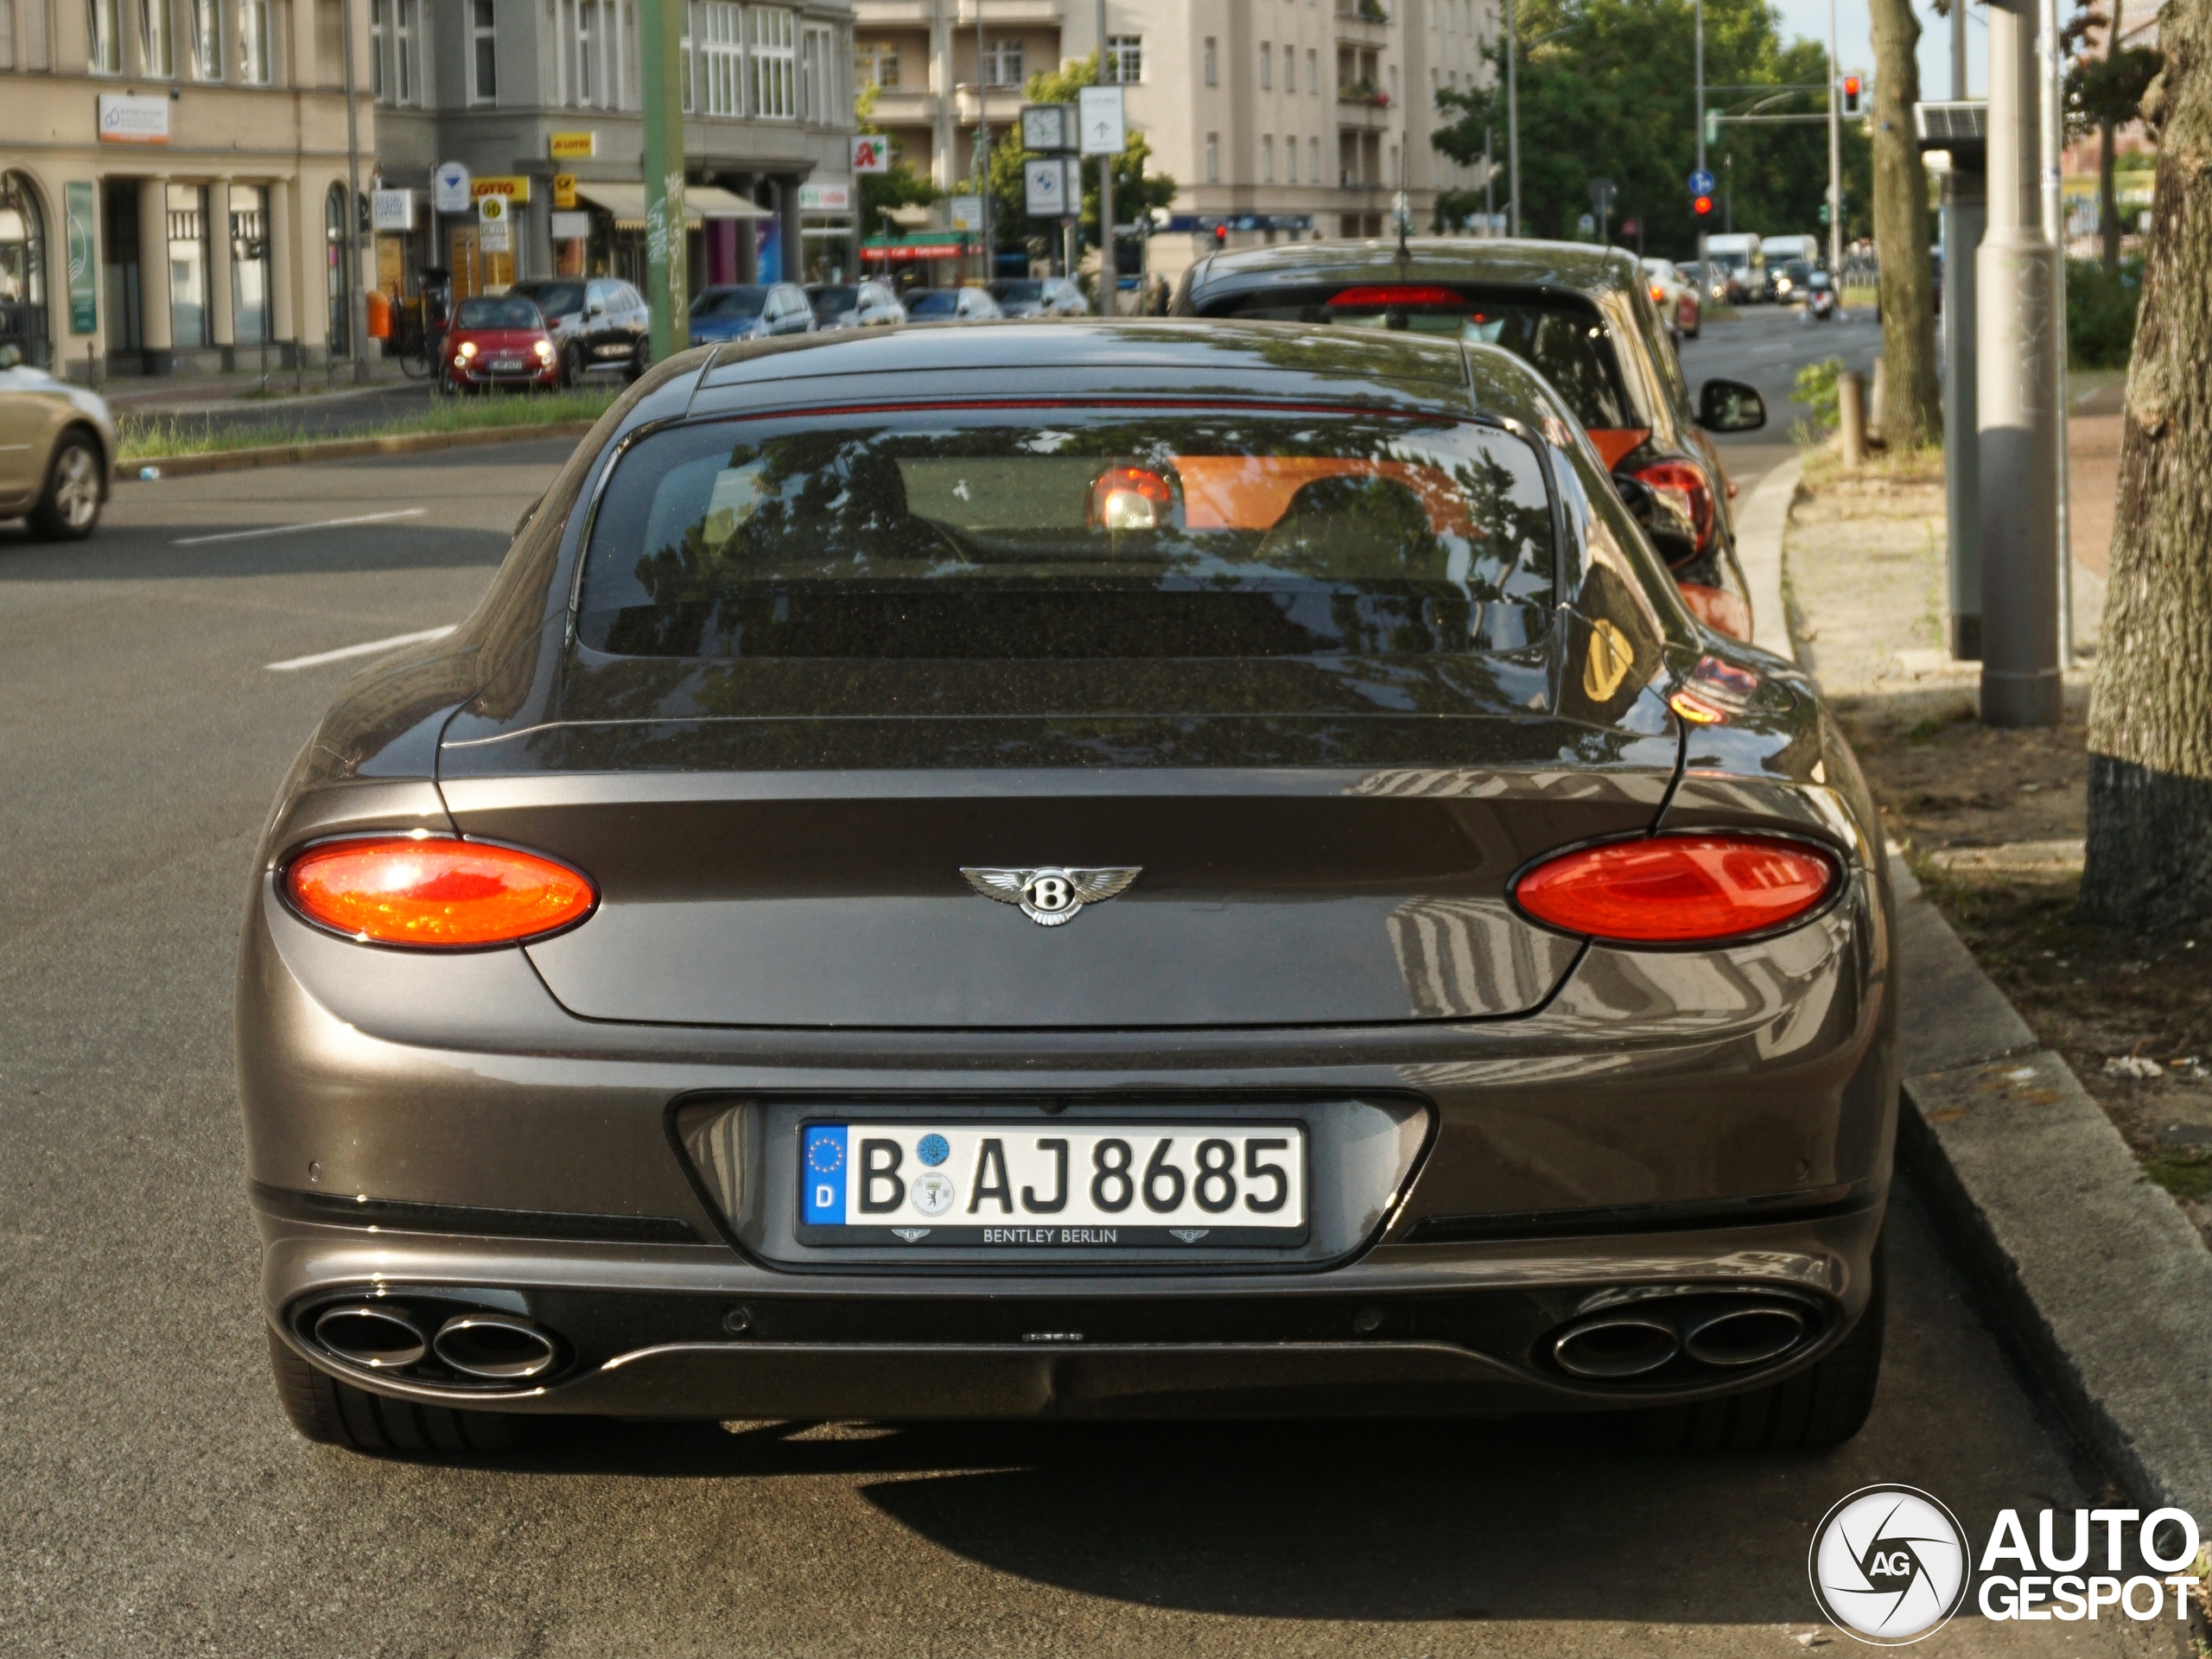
<point>1039,296</point>
<point>57,448</point>
<point>950,305</point>
<point>855,305</point>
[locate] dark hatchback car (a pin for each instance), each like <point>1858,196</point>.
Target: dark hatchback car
<point>1096,869</point>
<point>1583,316</point>
<point>596,323</point>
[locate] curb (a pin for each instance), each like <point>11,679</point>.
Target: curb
<point>1759,528</point>
<point>286,455</point>
<point>2104,1280</point>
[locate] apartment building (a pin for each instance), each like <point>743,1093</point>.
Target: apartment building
<point>1275,117</point>
<point>173,181</point>
<point>523,92</point>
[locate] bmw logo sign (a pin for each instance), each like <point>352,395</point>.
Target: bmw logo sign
<point>1889,1565</point>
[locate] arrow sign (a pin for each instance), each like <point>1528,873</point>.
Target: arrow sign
<point>1103,133</point>
<point>1701,183</point>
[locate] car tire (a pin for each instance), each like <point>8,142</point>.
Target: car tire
<point>70,507</point>
<point>640,360</point>
<point>572,367</point>
<point>331,1412</point>
<point>1821,1406</point>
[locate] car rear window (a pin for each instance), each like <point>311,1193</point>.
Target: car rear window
<point>730,303</point>
<point>836,299</point>
<point>508,312</point>
<point>1565,339</point>
<point>1043,531</point>
<point>554,298</point>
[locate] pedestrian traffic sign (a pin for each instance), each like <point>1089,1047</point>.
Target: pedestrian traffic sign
<point>1701,183</point>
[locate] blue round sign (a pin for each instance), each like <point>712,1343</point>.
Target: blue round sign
<point>1701,183</point>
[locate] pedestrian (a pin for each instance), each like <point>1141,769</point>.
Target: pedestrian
<point>1156,303</point>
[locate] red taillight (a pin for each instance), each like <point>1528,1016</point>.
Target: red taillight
<point>418,890</point>
<point>1678,889</point>
<point>1685,482</point>
<point>1129,498</point>
<point>1406,296</point>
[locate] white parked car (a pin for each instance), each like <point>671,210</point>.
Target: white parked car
<point>1675,298</point>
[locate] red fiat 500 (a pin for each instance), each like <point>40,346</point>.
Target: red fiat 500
<point>498,342</point>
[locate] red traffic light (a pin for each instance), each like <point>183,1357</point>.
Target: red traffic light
<point>1221,236</point>
<point>1701,205</point>
<point>1851,86</point>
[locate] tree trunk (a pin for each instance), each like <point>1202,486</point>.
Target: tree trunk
<point>2150,852</point>
<point>2107,199</point>
<point>1914,416</point>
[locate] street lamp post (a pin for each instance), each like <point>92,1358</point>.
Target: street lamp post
<point>1512,126</point>
<point>1835,159</point>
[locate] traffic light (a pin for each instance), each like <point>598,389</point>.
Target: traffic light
<point>1824,212</point>
<point>1713,126</point>
<point>1854,98</point>
<point>1701,205</point>
<point>1221,236</point>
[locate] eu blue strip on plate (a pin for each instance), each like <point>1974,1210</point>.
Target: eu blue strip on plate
<point>822,1165</point>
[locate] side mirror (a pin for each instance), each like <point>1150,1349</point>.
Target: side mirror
<point>595,308</point>
<point>1730,406</point>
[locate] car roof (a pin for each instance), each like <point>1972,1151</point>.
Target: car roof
<point>1576,267</point>
<point>1160,357</point>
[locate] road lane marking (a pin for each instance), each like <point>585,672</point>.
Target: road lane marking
<point>370,649</point>
<point>286,529</point>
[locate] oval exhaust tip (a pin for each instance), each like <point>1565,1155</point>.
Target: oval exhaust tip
<point>1611,1348</point>
<point>494,1347</point>
<point>382,1338</point>
<point>1746,1336</point>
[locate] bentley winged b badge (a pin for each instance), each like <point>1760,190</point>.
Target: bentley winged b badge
<point>1051,895</point>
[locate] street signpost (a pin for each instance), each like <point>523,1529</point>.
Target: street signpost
<point>1601,203</point>
<point>1701,183</point>
<point>495,231</point>
<point>1103,134</point>
<point>449,189</point>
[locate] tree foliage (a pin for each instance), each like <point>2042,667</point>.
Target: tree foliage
<point>1613,95</point>
<point>1137,191</point>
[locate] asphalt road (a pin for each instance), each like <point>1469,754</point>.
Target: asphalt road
<point>154,1502</point>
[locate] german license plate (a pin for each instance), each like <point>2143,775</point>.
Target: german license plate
<point>1098,1186</point>
<point>506,365</point>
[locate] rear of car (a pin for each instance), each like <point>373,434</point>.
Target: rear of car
<point>853,305</point>
<point>1676,299</point>
<point>1583,317</point>
<point>1094,870</point>
<point>498,340</point>
<point>597,323</point>
<point>950,305</point>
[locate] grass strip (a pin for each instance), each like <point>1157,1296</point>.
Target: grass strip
<point>156,437</point>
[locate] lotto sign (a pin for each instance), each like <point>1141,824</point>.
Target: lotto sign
<point>871,153</point>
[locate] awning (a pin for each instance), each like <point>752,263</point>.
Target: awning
<point>701,202</point>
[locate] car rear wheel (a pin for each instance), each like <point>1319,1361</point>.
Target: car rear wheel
<point>70,506</point>
<point>1809,1412</point>
<point>572,367</point>
<point>331,1412</point>
<point>641,360</point>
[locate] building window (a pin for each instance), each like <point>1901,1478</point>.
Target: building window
<point>1312,69</point>
<point>1213,158</point>
<point>484,53</point>
<point>687,54</point>
<point>1266,65</point>
<point>816,49</point>
<point>1267,158</point>
<point>1002,63</point>
<point>585,79</point>
<point>104,36</point>
<point>775,62</point>
<point>876,66</point>
<point>379,29</point>
<point>255,52</point>
<point>1124,59</point>
<point>157,52</point>
<point>1290,160</point>
<point>1314,160</point>
<point>1213,71</point>
<point>1290,68</point>
<point>403,52</point>
<point>721,57</point>
<point>207,40</point>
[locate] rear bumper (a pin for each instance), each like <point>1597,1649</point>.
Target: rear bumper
<point>675,1332</point>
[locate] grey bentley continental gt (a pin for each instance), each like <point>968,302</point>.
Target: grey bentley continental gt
<point>1092,869</point>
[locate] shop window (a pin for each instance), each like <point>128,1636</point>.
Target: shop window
<point>256,51</point>
<point>24,320</point>
<point>775,63</point>
<point>188,258</point>
<point>104,36</point>
<point>206,40</point>
<point>483,53</point>
<point>249,217</point>
<point>1124,59</point>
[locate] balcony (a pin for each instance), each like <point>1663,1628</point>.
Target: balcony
<point>897,107</point>
<point>1365,24</point>
<point>1361,108</point>
<point>1001,105</point>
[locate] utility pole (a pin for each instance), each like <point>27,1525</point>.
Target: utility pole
<point>1110,274</point>
<point>1835,159</point>
<point>357,301</point>
<point>983,148</point>
<point>1704,258</point>
<point>1512,126</point>
<point>2017,411</point>
<point>660,77</point>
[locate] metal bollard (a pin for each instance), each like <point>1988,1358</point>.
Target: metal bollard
<point>1851,416</point>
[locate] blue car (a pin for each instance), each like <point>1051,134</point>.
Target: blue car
<point>750,311</point>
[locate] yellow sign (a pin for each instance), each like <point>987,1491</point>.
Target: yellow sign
<point>564,191</point>
<point>514,186</point>
<point>574,146</point>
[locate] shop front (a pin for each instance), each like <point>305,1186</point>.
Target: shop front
<point>924,258</point>
<point>610,241</point>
